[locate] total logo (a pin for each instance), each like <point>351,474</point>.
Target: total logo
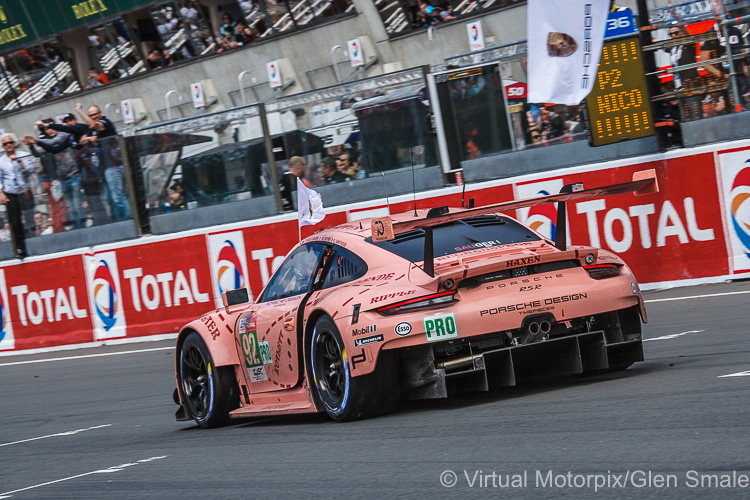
<point>106,298</point>
<point>230,275</point>
<point>739,207</point>
<point>542,218</point>
<point>229,263</point>
<point>7,340</point>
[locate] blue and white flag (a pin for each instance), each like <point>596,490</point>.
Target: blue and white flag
<point>565,40</point>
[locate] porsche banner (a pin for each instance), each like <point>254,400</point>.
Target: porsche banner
<point>565,39</point>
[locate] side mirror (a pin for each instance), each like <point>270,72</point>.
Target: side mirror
<point>234,297</point>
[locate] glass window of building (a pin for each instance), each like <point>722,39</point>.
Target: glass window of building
<point>34,73</point>
<point>402,16</point>
<point>112,53</point>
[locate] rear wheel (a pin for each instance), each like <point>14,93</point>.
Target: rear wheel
<point>207,390</point>
<point>342,396</point>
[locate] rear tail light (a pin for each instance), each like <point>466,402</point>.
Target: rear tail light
<point>435,300</point>
<point>601,271</point>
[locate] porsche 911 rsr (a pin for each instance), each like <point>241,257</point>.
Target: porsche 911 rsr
<point>457,299</point>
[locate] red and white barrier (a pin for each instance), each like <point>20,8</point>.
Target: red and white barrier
<point>697,228</point>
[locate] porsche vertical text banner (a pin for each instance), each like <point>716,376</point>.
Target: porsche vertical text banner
<point>565,39</point>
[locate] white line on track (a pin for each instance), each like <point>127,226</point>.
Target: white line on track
<point>85,356</point>
<point>738,374</point>
<point>674,335</point>
<point>116,468</point>
<point>697,296</point>
<point>66,433</point>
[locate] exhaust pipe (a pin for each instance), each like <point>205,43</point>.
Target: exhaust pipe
<point>536,331</point>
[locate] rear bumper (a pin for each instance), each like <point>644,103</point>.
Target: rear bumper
<point>573,355</point>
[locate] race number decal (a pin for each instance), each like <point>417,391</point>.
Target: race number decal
<point>440,327</point>
<point>253,351</point>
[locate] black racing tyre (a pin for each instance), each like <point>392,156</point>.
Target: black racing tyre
<point>208,391</point>
<point>343,396</point>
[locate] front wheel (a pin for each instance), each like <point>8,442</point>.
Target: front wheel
<point>342,396</point>
<point>207,390</point>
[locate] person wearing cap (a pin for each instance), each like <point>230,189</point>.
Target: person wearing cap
<point>106,156</point>
<point>57,145</point>
<point>12,187</point>
<point>77,131</point>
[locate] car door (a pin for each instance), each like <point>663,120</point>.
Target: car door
<point>268,339</point>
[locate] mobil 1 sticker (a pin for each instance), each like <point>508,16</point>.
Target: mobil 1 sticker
<point>440,327</point>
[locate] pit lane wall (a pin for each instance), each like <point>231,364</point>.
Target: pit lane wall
<point>696,228</point>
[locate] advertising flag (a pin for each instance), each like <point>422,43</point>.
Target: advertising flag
<point>310,205</point>
<point>356,56</point>
<point>565,39</point>
<point>274,74</point>
<point>199,100</point>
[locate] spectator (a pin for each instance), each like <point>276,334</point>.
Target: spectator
<point>159,58</point>
<point>5,231</point>
<point>242,35</point>
<point>412,14</point>
<point>227,28</point>
<point>13,187</point>
<point>189,12</point>
<point>472,149</point>
<point>329,174</point>
<point>77,131</point>
<point>348,166</point>
<point>106,156</point>
<point>288,183</point>
<point>96,79</point>
<point>175,198</point>
<point>686,81</point>
<point>50,178</point>
<point>60,145</point>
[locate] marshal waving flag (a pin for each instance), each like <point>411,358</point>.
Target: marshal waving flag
<point>309,205</point>
<point>565,39</point>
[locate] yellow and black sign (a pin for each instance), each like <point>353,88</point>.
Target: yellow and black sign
<point>619,106</point>
<point>88,8</point>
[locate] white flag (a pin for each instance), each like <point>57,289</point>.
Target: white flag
<point>309,205</point>
<point>565,39</point>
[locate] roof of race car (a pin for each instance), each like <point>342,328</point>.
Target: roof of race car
<point>363,227</point>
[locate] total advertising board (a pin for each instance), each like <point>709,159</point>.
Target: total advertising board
<point>696,227</point>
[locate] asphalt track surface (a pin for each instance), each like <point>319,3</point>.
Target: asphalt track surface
<point>104,427</point>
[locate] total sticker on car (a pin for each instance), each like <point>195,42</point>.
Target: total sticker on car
<point>440,327</point>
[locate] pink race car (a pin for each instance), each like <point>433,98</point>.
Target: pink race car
<point>422,305</point>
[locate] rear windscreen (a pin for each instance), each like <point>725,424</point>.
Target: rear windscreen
<point>460,236</point>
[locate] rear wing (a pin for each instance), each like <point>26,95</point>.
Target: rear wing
<point>644,182</point>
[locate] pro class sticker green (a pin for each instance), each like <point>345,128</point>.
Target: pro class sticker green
<point>440,327</point>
